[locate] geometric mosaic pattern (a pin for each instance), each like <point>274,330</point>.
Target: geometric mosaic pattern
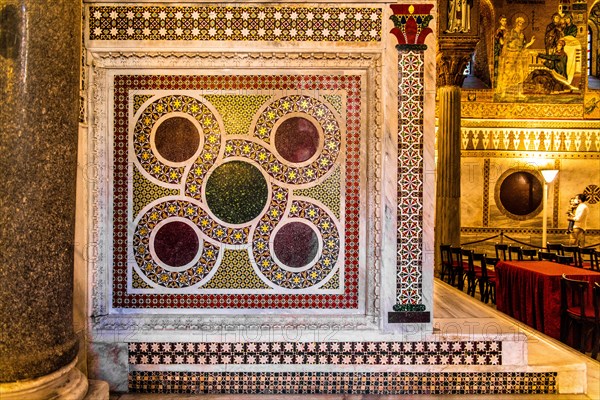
<point>344,353</point>
<point>593,193</point>
<point>315,194</point>
<point>236,273</point>
<point>327,192</point>
<point>248,23</point>
<point>237,111</point>
<point>409,259</point>
<point>145,192</point>
<point>383,383</point>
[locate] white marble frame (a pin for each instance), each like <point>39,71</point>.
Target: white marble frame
<point>106,64</point>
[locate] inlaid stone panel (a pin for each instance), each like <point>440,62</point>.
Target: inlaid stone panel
<point>215,208</point>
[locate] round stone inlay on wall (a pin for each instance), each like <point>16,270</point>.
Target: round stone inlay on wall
<point>521,194</point>
<point>296,139</point>
<point>296,244</point>
<point>176,243</point>
<point>177,139</point>
<point>236,192</point>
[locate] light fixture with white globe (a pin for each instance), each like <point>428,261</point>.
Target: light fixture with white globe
<point>549,175</point>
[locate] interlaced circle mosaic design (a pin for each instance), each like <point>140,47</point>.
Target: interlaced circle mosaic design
<point>235,192</point>
<point>279,210</point>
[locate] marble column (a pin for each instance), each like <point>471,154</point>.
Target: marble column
<point>448,167</point>
<point>453,56</point>
<point>40,58</point>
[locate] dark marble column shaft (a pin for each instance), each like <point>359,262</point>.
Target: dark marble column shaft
<point>448,167</point>
<point>40,53</point>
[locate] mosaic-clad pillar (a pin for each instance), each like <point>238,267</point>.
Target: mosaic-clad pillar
<point>410,28</point>
<point>454,54</point>
<point>39,80</point>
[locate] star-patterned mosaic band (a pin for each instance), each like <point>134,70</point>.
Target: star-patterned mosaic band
<point>384,383</point>
<point>246,23</point>
<point>330,353</point>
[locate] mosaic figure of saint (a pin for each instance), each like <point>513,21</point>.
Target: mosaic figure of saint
<point>553,34</point>
<point>459,16</point>
<point>513,61</point>
<point>499,39</point>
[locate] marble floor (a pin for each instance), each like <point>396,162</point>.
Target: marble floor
<point>455,307</point>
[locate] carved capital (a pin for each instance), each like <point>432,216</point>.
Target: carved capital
<point>411,23</point>
<point>452,58</point>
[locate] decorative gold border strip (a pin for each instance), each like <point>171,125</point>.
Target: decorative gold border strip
<point>532,154</point>
<point>529,124</point>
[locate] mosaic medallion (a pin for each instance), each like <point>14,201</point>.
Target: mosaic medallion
<point>236,192</point>
<point>274,201</point>
<point>175,243</point>
<point>296,244</point>
<point>176,139</point>
<point>296,139</point>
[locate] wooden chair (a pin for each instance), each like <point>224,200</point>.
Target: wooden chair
<point>556,248</point>
<point>546,256</point>
<point>590,258</point>
<point>485,277</point>
<point>446,259</point>
<point>491,261</point>
<point>458,267</point>
<point>515,253</point>
<point>575,253</point>
<point>574,317</point>
<point>472,272</point>
<point>596,333</point>
<point>532,254</point>
<point>565,260</point>
<point>501,251</point>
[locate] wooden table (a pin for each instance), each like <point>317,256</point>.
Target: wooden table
<point>529,291</point>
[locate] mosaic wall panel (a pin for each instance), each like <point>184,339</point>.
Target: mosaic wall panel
<point>410,178</point>
<point>324,353</point>
<point>248,23</point>
<point>238,191</point>
<point>447,383</point>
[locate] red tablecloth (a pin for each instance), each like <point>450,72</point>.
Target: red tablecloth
<point>530,291</point>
